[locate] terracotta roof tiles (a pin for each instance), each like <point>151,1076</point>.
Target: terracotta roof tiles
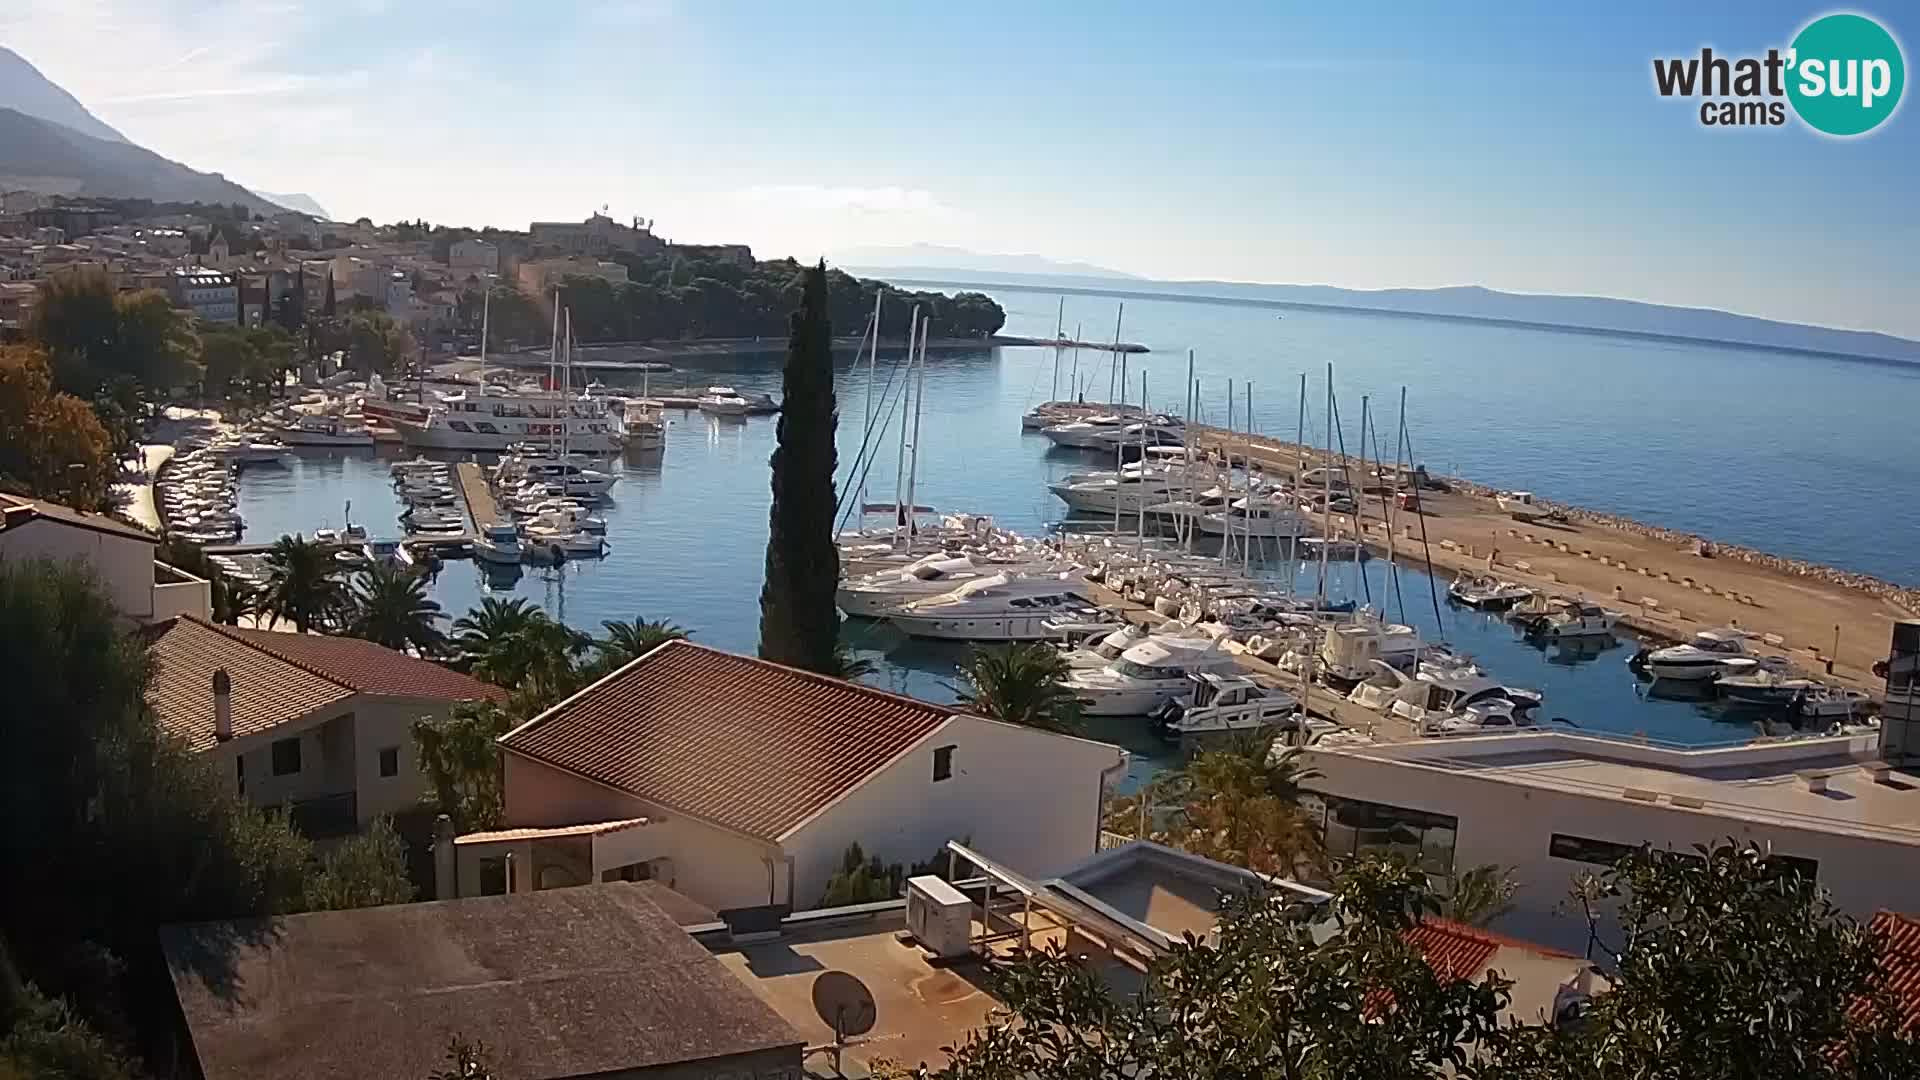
<point>278,677</point>
<point>1900,954</point>
<point>750,745</point>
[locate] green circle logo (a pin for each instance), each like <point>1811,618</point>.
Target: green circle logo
<point>1845,74</point>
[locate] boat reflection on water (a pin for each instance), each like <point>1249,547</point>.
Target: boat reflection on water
<point>498,577</point>
<point>1574,651</point>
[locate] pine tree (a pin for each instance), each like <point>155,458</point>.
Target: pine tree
<point>798,622</point>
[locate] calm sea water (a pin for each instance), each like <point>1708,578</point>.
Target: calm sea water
<point>1797,455</point>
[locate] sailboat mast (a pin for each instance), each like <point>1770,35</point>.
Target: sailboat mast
<point>1326,492</point>
<point>919,399</point>
<point>900,463</point>
<point>873,357</point>
<point>1141,499</point>
<point>1119,356</point>
<point>486,310</point>
<point>1226,486</point>
<point>566,398</point>
<point>1246,537</point>
<point>1059,329</point>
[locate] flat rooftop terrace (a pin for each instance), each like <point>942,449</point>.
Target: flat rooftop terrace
<point>1834,784</point>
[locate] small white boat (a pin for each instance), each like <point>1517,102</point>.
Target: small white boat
<point>1087,434</point>
<point>553,545</point>
<point>1829,703</point>
<point>722,401</point>
<point>1699,659</point>
<point>1348,651</point>
<point>1519,505</point>
<point>1261,517</point>
<point>1486,592</point>
<point>498,544</point>
<point>1578,619</point>
<point>1223,706</point>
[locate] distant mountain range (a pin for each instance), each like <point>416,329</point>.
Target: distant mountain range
<point>298,201</point>
<point>50,143</point>
<point>24,89</point>
<point>939,259</point>
<point>1596,314</point>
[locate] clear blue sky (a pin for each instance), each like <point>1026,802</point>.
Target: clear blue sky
<point>1516,146</point>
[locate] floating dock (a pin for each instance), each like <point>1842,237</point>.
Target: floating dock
<point>482,510</point>
<point>1658,583</point>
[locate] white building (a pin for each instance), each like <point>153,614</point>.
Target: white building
<point>474,255</point>
<point>1550,805</point>
<point>320,724</point>
<point>119,555</point>
<point>213,296</point>
<point>742,783</point>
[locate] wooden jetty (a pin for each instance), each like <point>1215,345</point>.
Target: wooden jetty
<point>1661,588</point>
<point>482,510</point>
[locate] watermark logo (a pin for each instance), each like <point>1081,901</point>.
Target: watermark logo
<point>1843,76</point>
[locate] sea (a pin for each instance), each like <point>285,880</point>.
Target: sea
<point>1813,457</point>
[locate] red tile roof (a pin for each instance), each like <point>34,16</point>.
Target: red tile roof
<point>750,745</point>
<point>66,515</point>
<point>1900,954</point>
<point>369,668</point>
<point>1454,950</point>
<point>279,677</point>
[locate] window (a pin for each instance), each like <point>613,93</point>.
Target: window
<point>640,871</point>
<point>1607,853</point>
<point>286,757</point>
<point>1355,827</point>
<point>493,876</point>
<point>389,761</point>
<point>942,763</point>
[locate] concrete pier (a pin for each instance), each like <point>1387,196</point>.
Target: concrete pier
<point>1657,581</point>
<point>481,507</point>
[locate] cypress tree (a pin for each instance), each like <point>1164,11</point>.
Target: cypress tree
<point>799,625</point>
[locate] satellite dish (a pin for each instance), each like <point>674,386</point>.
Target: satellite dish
<point>845,1003</point>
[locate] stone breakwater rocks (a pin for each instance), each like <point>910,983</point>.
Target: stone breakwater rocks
<point>1908,599</point>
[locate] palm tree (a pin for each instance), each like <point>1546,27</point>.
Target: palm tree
<point>1238,804</point>
<point>301,586</point>
<point>390,605</point>
<point>1022,683</point>
<point>234,600</point>
<point>484,630</point>
<point>1480,895</point>
<point>628,641</point>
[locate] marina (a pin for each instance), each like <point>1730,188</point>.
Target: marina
<point>686,528</point>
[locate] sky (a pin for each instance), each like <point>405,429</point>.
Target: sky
<point>1363,145</point>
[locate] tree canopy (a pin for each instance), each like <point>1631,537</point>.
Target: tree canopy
<point>52,445</point>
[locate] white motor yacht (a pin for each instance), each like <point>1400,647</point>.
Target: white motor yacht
<point>1578,619</point>
<point>1701,658</point>
<point>994,608</point>
<point>553,545</point>
<point>1087,434</point>
<point>722,401</point>
<point>1222,706</point>
<point>1147,675</point>
<point>1437,690</point>
<point>1129,491</point>
<point>498,544</point>
<point>323,429</point>
<point>1486,592</point>
<point>874,595</point>
<point>561,515</point>
<point>1261,517</point>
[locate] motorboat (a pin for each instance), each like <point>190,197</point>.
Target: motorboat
<point>1349,651</point>
<point>1336,547</point>
<point>1260,517</point>
<point>1559,617</point>
<point>1519,506</point>
<point>994,608</point>
<point>323,429</point>
<point>1438,690</point>
<point>1829,703</point>
<point>1761,688</point>
<point>499,544</point>
<point>496,419</point>
<point>1098,648</point>
<point>1701,658</point>
<point>874,595</point>
<point>553,545</point>
<point>1486,592</point>
<point>391,552</point>
<point>723,401</point>
<point>1491,716</point>
<point>1086,434</point>
<point>1222,706</point>
<point>1147,675</point>
<point>416,465</point>
<point>1150,434</point>
<point>1128,491</point>
<point>562,515</point>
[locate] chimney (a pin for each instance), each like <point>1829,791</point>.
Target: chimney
<point>222,705</point>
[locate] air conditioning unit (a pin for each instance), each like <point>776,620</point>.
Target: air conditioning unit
<point>939,916</point>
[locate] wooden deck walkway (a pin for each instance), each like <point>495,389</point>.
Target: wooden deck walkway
<point>481,508</point>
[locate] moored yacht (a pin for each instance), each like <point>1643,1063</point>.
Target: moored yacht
<point>1222,706</point>
<point>994,608</point>
<point>1703,657</point>
<point>322,429</point>
<point>1147,675</point>
<point>723,401</point>
<point>498,544</point>
<point>1486,592</point>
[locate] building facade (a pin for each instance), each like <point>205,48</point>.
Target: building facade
<point>212,296</point>
<point>474,255</point>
